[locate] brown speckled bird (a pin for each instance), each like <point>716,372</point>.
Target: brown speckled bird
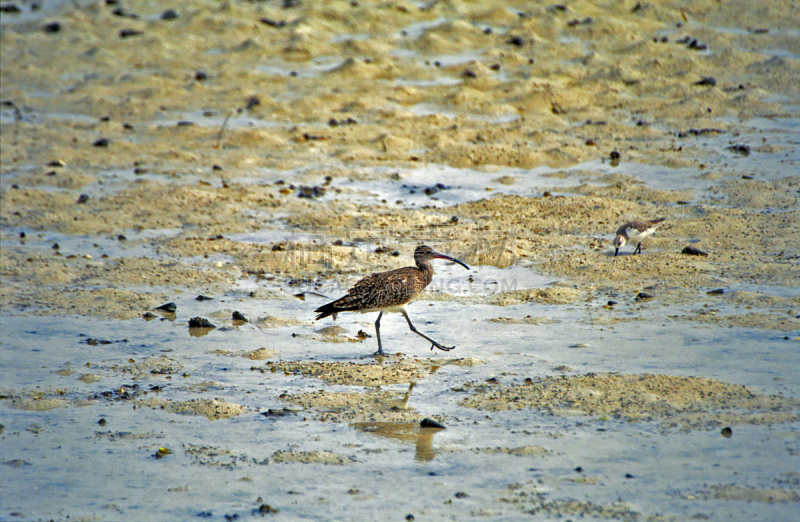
<point>635,231</point>
<point>390,292</point>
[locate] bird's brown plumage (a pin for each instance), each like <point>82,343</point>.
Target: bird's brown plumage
<point>389,291</point>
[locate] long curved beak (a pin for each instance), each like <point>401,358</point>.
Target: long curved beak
<point>616,251</point>
<point>437,255</point>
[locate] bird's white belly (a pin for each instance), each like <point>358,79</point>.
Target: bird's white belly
<point>395,309</point>
<point>635,236</point>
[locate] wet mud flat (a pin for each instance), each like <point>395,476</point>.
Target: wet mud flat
<point>236,159</point>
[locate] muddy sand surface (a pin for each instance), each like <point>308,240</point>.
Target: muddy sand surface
<point>242,160</point>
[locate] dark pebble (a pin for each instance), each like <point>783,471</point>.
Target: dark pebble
<point>727,432</point>
<point>83,198</point>
<point>706,80</point>
<point>52,27</point>
<point>140,170</point>
<point>123,13</point>
<point>265,509</point>
<point>102,142</point>
<point>149,316</point>
<point>430,423</point>
<point>612,303</point>
<point>461,494</point>
<point>22,235</point>
<point>169,14</point>
<point>200,76</point>
<point>744,150</point>
<point>288,4</point>
<point>101,422</point>
<point>277,413</point>
<point>185,123</point>
<point>56,163</point>
<point>410,517</point>
<point>718,291</point>
<point>697,46</point>
<point>273,23</point>
<point>628,476</point>
<point>692,251</point>
<point>205,514</point>
<point>579,469</point>
<point>122,237</point>
<point>310,192</point>
<point>168,307</point>
<point>643,295</point>
<point>51,173</point>
<point>127,33</point>
<point>203,298</point>
<point>216,167</point>
<point>252,101</point>
<point>516,40</point>
<point>55,246</point>
<point>614,155</point>
<point>200,322</point>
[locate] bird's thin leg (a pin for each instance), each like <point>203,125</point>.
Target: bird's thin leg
<point>378,332</point>
<point>638,249</point>
<point>433,343</point>
<point>616,251</point>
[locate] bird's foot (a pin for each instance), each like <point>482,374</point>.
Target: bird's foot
<point>379,353</point>
<point>440,347</point>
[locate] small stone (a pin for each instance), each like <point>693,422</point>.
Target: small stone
<point>612,303</point>
<point>101,422</point>
<point>692,251</point>
<point>102,142</point>
<point>461,494</point>
<point>200,76</point>
<point>148,316</point>
<point>127,33</point>
<point>203,298</point>
<point>83,198</point>
<point>718,291</point>
<point>52,27</point>
<point>516,40</point>
<point>706,80</point>
<point>641,296</point>
<point>238,316</point>
<point>168,307</point>
<point>56,163</point>
<point>273,23</point>
<point>727,432</point>
<point>169,14</point>
<point>614,155</point>
<point>200,322</point>
<point>252,101</point>
<point>430,423</point>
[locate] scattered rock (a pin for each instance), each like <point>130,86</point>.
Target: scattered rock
<point>692,251</point>
<point>168,307</point>
<point>127,33</point>
<point>200,322</point>
<point>430,423</point>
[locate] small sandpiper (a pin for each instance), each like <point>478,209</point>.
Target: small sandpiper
<point>635,231</point>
